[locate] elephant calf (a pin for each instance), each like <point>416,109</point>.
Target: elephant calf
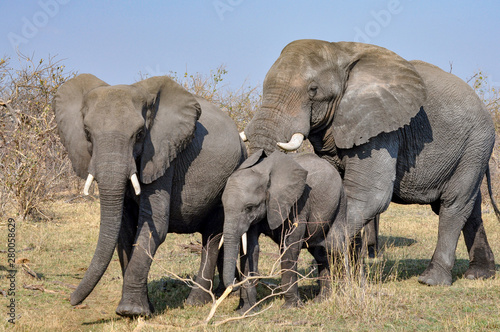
<point>293,200</point>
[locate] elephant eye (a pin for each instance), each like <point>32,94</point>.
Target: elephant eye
<point>249,208</point>
<point>312,91</point>
<point>139,135</point>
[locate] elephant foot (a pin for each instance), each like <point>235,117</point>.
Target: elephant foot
<point>246,309</point>
<point>130,308</point>
<point>198,297</point>
<point>219,290</point>
<point>372,251</point>
<point>292,303</point>
<point>479,272</point>
<point>435,275</point>
<point>324,294</point>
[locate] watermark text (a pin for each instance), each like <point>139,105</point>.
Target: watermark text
<point>11,275</point>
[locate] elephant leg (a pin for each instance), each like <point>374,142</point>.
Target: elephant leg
<point>290,249</point>
<point>200,292</point>
<point>220,267</point>
<point>211,235</point>
<point>151,232</point>
<point>458,212</point>
<point>452,220</point>
<point>249,265</point>
<point>370,240</point>
<point>369,179</point>
<point>128,232</point>
<point>320,255</point>
<point>439,270</point>
<point>482,261</point>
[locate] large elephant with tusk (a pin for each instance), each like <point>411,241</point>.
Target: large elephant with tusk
<point>398,130</point>
<point>161,157</point>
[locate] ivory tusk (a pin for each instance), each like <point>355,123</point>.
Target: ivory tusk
<point>244,243</point>
<point>243,136</point>
<point>294,143</point>
<point>89,181</point>
<point>135,184</point>
<point>221,241</point>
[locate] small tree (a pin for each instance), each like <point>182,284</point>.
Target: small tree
<point>490,95</point>
<point>239,103</point>
<point>32,159</point>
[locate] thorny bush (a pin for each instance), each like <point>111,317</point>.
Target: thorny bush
<point>33,162</point>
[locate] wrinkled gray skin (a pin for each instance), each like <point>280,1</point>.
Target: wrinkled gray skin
<point>182,148</point>
<point>398,130</point>
<point>293,200</point>
<point>370,238</point>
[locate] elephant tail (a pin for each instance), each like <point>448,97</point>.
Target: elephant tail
<point>488,180</point>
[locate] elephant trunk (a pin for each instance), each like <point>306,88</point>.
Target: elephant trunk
<point>111,191</point>
<point>275,123</point>
<point>231,250</point>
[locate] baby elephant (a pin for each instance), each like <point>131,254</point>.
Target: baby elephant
<point>293,200</point>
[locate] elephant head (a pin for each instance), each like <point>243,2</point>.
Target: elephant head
<point>336,94</point>
<point>261,187</point>
<point>111,134</point>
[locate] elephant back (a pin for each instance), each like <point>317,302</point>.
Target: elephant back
<point>454,106</point>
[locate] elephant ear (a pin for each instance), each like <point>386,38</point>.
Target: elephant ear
<point>287,183</point>
<point>254,159</point>
<point>175,113</point>
<point>67,105</point>
<point>383,92</point>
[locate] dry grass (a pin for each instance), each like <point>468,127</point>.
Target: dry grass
<point>391,300</point>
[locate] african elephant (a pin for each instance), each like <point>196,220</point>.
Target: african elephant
<point>287,199</point>
<point>401,131</point>
<point>177,149</point>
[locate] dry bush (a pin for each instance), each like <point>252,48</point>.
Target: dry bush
<point>490,95</point>
<point>32,160</point>
<point>239,103</point>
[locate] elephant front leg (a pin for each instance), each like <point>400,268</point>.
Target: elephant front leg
<point>203,287</point>
<point>290,249</point>
<point>128,231</point>
<point>151,232</point>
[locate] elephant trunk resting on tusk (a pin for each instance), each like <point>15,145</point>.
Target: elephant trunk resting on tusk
<point>133,178</point>
<point>294,143</point>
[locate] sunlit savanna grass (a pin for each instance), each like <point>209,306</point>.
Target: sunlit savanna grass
<point>391,300</point>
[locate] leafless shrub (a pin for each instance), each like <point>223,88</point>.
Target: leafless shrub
<point>239,103</point>
<point>490,95</point>
<point>32,160</point>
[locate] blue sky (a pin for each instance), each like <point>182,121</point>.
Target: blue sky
<point>117,40</point>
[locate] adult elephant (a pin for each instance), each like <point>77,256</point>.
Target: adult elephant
<point>398,130</point>
<point>178,151</point>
